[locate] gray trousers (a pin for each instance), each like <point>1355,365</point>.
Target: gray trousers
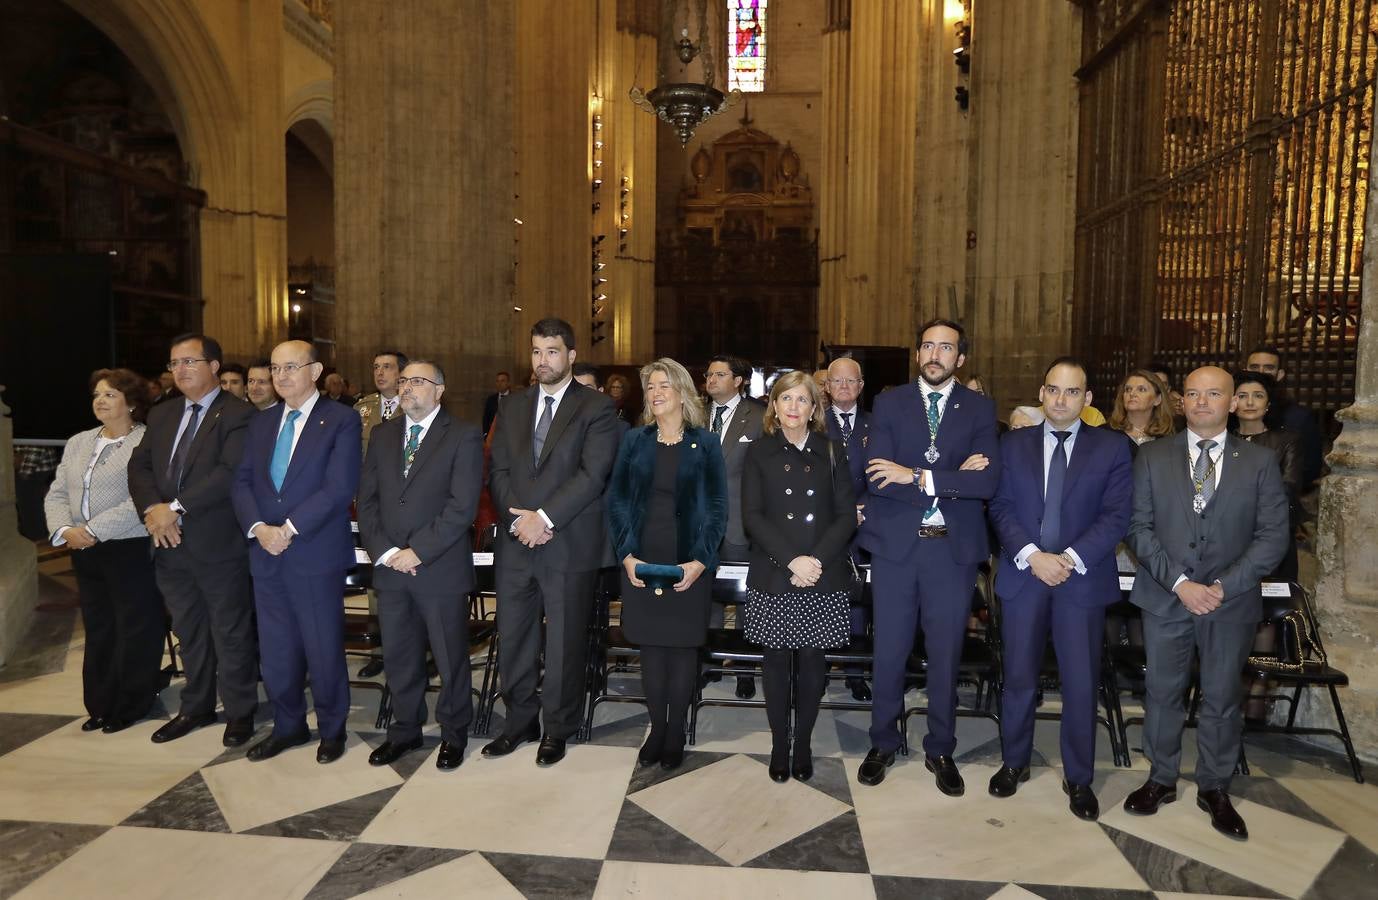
<point>411,618</point>
<point>1221,648</point>
<point>212,615</point>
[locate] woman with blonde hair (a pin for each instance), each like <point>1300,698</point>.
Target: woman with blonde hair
<point>799,509</point>
<point>1143,410</point>
<point>667,511</point>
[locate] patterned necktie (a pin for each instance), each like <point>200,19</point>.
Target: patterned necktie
<point>179,455</point>
<point>409,452</point>
<point>1202,474</point>
<point>282,450</point>
<point>717,419</point>
<point>846,426</point>
<point>543,427</point>
<point>933,419</point>
<point>1049,536</point>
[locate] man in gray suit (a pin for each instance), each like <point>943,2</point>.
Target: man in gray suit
<point>553,448</point>
<point>1210,520</point>
<point>418,494</point>
<point>736,420</point>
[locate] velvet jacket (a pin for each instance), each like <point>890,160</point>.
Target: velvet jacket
<point>700,495</point>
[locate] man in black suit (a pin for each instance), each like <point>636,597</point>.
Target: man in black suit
<point>180,477</point>
<point>418,494</point>
<point>553,449</point>
<point>850,425</point>
<point>496,399</point>
<point>1210,520</point>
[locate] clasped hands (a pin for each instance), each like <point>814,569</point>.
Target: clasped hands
<point>1198,598</point>
<point>804,571</point>
<point>887,472</point>
<point>78,538</point>
<point>161,522</point>
<point>529,527</point>
<point>1050,568</point>
<point>273,538</point>
<point>692,570</point>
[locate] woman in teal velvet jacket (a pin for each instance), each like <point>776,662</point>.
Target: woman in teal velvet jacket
<point>667,505</point>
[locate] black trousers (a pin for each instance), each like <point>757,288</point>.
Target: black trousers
<point>667,677</point>
<point>810,678</point>
<point>411,618</point>
<point>123,617</point>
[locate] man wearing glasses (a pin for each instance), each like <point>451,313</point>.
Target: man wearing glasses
<point>180,477</point>
<point>292,495</point>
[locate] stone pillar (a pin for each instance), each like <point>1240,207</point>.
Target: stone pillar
<point>423,192</point>
<point>832,174</point>
<point>18,559</point>
<point>1347,590</point>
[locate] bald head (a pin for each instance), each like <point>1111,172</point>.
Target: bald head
<point>844,383</point>
<point>1208,400</point>
<point>295,371</point>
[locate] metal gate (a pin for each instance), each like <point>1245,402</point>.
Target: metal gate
<point>1223,175</point>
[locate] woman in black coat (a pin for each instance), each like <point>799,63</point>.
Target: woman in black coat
<point>799,509</point>
<point>667,504</point>
<point>1254,394</point>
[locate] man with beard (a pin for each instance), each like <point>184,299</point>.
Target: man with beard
<point>933,460</point>
<point>380,406</point>
<point>553,448</point>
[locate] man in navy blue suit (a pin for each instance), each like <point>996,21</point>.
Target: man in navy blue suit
<point>850,425</point>
<point>933,460</point>
<point>1065,496</point>
<point>292,496</point>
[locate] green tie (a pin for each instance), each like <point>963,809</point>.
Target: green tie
<point>933,398</point>
<point>409,453</point>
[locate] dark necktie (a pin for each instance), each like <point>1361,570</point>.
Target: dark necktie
<point>179,455</point>
<point>543,427</point>
<point>409,451</point>
<point>1203,473</point>
<point>1049,536</point>
<point>717,419</point>
<point>846,426</point>
<point>934,419</point>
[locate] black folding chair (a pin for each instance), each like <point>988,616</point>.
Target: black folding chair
<point>727,651</point>
<point>610,653</point>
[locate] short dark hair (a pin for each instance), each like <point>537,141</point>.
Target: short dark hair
<point>1269,349</point>
<point>396,354</point>
<point>236,369</point>
<point>740,369</point>
<point>583,368</point>
<point>1268,382</point>
<point>552,327</point>
<point>1067,361</point>
<point>210,347</point>
<point>133,385</point>
<point>508,375</point>
<point>439,372</point>
<point>962,345</point>
<point>261,364</point>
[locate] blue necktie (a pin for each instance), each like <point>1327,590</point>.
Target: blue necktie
<point>846,427</point>
<point>933,420</point>
<point>1049,536</point>
<point>282,450</point>
<point>183,448</point>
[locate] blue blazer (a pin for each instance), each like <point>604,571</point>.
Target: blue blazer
<point>316,494</point>
<point>1097,500</point>
<point>899,433</point>
<point>700,495</point>
<point>856,448</point>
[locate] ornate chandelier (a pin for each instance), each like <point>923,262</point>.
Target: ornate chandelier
<point>683,104</point>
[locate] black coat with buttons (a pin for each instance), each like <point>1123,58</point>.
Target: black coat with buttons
<point>797,503</point>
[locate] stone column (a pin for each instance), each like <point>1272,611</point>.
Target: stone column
<point>423,191</point>
<point>1347,590</point>
<point>832,175</point>
<point>18,559</point>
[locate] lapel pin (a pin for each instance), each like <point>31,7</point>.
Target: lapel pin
<point>696,446</point>
<point>1236,454</point>
<point>786,467</point>
<point>956,406</point>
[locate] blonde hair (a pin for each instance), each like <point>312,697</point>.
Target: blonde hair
<point>1160,422</point>
<point>793,380</point>
<point>691,405</point>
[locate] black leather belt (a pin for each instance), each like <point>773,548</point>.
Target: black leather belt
<point>932,531</point>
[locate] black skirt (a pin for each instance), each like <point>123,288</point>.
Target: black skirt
<point>798,618</point>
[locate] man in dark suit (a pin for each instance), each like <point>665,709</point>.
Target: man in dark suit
<point>933,461</point>
<point>1210,520</point>
<point>418,494</point>
<point>292,495</point>
<point>1063,505</point>
<point>737,422</point>
<point>553,448</point>
<point>180,477</point>
<point>496,399</point>
<point>850,425</point>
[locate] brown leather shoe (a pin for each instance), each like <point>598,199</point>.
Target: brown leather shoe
<point>1224,819</point>
<point>1146,800</point>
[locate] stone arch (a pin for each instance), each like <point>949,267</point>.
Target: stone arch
<point>315,101</point>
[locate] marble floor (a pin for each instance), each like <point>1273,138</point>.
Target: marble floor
<point>92,815</point>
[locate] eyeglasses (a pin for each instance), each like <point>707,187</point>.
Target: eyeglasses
<point>185,362</point>
<point>845,382</point>
<point>288,368</point>
<point>416,381</point>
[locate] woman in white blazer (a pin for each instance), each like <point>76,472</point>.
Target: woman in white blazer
<point>89,510</point>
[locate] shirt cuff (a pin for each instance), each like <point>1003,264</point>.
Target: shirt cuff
<point>1178,582</point>
<point>177,507</point>
<point>383,560</point>
<point>58,539</point>
<point>548,524</point>
<point>292,528</point>
<point>928,483</point>
<point>1021,559</point>
<point>1076,561</point>
<point>253,526</point>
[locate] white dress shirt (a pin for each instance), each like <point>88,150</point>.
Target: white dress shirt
<point>559,395</point>
<point>1021,560</point>
<point>855,413</point>
<point>406,438</point>
<point>946,391</point>
<point>297,428</point>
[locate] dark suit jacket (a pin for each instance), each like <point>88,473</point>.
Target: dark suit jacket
<point>431,510</point>
<point>856,448</point>
<point>1239,539</point>
<point>899,432</point>
<point>491,407</point>
<point>797,504</point>
<point>700,495</point>
<point>1288,415</point>
<point>567,482</point>
<point>1097,498</point>
<point>315,495</point>
<point>744,429</point>
<point>209,529</point>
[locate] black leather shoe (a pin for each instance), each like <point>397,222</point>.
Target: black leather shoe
<point>1146,800</point>
<point>272,745</point>
<point>238,732</point>
<point>389,752</point>
<point>650,751</point>
<point>330,749</point>
<point>506,743</point>
<point>672,758</point>
<point>945,775</point>
<point>1081,800</point>
<point>551,751</point>
<point>450,756</point>
<point>113,725</point>
<point>181,726</point>
<point>95,723</point>
<point>802,770</point>
<point>779,765</point>
<point>1007,780</point>
<point>1224,819</point>
<point>746,688</point>
<point>861,691</point>
<point>873,767</point>
<point>371,668</point>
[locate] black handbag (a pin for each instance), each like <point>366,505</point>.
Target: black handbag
<point>1297,648</point>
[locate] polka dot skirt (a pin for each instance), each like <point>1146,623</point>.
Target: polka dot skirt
<point>797,619</point>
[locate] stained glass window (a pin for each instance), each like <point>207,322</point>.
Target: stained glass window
<point>746,45</point>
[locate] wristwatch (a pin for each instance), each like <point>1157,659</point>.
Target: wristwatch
<point>918,477</point>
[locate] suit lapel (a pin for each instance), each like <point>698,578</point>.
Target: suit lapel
<point>735,429</point>
<point>312,433</point>
<point>1231,478</point>
<point>434,436</point>
<point>946,430</point>
<point>203,430</point>
<point>574,397</point>
<point>1179,467</point>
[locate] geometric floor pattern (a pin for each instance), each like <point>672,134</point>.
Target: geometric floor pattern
<point>92,815</point>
